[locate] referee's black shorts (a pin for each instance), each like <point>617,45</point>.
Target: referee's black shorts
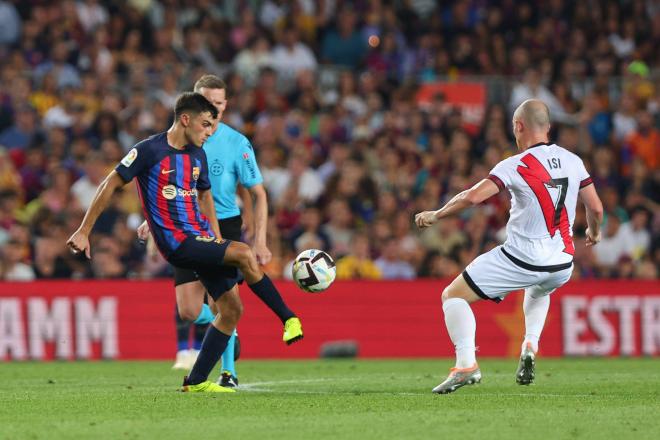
<point>230,228</point>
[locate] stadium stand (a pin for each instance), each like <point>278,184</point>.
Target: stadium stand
<point>352,110</point>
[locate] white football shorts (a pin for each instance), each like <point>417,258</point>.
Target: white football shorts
<point>496,273</point>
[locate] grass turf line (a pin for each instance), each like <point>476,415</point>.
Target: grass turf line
<point>365,399</point>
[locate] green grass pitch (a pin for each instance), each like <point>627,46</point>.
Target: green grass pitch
<point>342,399</point>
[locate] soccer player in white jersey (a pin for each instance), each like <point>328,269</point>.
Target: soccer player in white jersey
<point>545,182</point>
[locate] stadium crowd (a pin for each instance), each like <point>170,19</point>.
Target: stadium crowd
<point>326,91</point>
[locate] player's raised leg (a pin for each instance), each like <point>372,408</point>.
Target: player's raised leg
<point>240,255</point>
<point>461,326</point>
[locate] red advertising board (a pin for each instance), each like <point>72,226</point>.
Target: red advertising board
<point>134,320</point>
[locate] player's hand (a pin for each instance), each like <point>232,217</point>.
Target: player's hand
<point>591,238</point>
<point>143,231</point>
<point>79,242</point>
<point>425,219</point>
<point>262,253</point>
<point>248,231</point>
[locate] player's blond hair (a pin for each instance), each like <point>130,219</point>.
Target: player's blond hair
<point>209,82</point>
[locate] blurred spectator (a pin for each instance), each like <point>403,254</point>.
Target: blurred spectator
<point>57,63</point>
<point>340,227</point>
<point>302,181</point>
<point>91,14</point>
<point>57,198</point>
<point>10,24</point>
<point>337,158</point>
<point>195,49</point>
<point>646,270</point>
<point>612,247</point>
<point>292,56</point>
<point>252,59</point>
<point>357,264</point>
<point>10,180</point>
<point>624,121</point>
<point>343,44</point>
<point>635,233</point>
<point>85,188</point>
<point>596,119</point>
<point>439,266</point>
<point>9,205</point>
<point>310,228</point>
<point>391,265</point>
<point>12,264</point>
<point>272,12</point>
<point>644,142</point>
<point>532,87</point>
<point>51,258</point>
<point>106,263</point>
<point>46,97</point>
<point>21,134</point>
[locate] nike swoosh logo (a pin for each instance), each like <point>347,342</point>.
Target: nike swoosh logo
<point>167,171</point>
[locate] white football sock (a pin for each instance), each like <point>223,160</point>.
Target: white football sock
<point>536,309</point>
<point>462,327</point>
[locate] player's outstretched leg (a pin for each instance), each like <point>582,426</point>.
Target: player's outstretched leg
<point>459,377</point>
<point>461,326</point>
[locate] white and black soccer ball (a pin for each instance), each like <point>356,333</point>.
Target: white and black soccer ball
<point>314,270</point>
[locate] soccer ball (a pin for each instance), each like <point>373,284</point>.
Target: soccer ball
<point>314,270</point>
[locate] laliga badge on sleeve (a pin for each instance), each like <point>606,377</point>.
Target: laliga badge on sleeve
<point>130,157</point>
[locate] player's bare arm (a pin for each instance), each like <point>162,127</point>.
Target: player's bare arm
<point>260,247</point>
<point>465,199</point>
<point>594,209</point>
<point>207,208</point>
<point>79,241</point>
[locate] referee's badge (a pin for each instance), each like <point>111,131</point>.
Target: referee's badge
<point>195,173</point>
<point>216,168</point>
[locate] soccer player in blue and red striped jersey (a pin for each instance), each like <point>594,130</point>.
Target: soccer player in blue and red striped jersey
<point>172,176</point>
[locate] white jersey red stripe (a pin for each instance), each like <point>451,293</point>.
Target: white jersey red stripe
<point>544,182</point>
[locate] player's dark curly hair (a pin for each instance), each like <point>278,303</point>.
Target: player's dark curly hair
<point>195,103</point>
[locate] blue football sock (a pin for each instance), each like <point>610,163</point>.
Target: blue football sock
<point>214,344</point>
<point>228,363</point>
<point>206,316</point>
